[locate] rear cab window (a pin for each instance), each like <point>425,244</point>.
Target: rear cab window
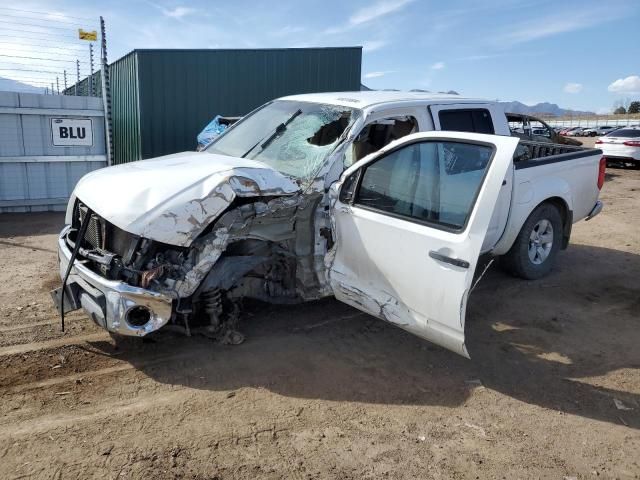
<point>477,120</point>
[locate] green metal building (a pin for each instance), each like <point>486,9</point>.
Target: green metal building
<point>161,99</point>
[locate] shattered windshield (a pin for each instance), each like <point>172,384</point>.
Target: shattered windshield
<point>292,137</point>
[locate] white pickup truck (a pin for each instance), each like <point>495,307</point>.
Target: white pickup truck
<point>383,199</point>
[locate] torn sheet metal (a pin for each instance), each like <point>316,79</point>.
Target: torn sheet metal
<point>387,307</point>
<point>271,221</point>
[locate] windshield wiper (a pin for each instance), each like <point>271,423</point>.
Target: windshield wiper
<point>279,130</point>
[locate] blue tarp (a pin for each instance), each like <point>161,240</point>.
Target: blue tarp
<point>210,132</point>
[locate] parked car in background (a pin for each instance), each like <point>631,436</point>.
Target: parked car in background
<point>607,129</point>
<point>621,147</point>
<point>601,130</point>
<point>532,128</point>
<point>569,131</point>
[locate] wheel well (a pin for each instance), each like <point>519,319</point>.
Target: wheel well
<point>567,217</point>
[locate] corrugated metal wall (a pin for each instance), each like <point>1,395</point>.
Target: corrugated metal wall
<point>35,175</point>
<point>125,109</point>
<point>180,91</point>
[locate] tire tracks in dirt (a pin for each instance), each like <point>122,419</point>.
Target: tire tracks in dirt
<point>43,424</point>
<point>86,375</point>
<point>48,344</point>
<point>27,326</point>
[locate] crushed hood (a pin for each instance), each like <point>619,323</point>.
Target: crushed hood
<point>172,199</point>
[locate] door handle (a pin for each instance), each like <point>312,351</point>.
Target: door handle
<point>453,261</point>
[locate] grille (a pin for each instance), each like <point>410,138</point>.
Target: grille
<point>96,230</point>
<point>102,235</point>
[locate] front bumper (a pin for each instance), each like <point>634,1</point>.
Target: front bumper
<point>109,302</point>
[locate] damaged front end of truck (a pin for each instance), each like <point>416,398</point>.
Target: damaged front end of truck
<point>183,239</point>
<point>190,259</point>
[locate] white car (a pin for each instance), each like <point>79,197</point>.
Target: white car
<point>576,132</point>
<point>621,146</point>
<point>595,131</point>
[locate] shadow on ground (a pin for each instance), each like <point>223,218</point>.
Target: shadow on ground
<point>24,225</point>
<point>545,343</point>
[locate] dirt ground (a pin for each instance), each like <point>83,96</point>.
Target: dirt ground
<point>323,391</point>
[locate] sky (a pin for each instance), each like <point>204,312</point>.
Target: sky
<point>583,55</point>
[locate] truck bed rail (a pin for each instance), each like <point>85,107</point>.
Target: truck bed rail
<point>531,154</point>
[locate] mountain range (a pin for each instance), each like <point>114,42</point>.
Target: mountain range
<point>541,108</point>
<point>8,85</point>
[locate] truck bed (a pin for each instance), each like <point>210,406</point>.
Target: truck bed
<point>530,153</point>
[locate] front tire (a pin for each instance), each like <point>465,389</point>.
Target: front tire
<point>534,250</point>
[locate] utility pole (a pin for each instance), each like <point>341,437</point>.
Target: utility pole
<point>106,90</point>
<point>58,85</point>
<point>77,75</point>
<point>52,90</point>
<point>65,82</point>
<point>91,90</point>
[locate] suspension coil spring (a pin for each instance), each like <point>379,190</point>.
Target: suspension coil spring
<point>212,302</point>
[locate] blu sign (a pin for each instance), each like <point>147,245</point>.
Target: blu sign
<point>71,132</point>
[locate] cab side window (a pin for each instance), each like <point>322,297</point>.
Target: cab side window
<point>435,182</point>
<point>476,120</point>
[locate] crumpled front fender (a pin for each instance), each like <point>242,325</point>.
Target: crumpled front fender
<point>173,199</point>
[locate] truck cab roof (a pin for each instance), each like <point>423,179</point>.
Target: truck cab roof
<point>365,99</point>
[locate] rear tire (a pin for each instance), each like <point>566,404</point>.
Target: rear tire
<point>534,250</point>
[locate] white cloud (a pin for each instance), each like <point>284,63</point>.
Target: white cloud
<point>631,84</point>
<point>177,12</point>
<point>373,45</point>
<point>438,66</point>
<point>573,87</point>
<point>490,56</point>
<point>556,24</point>
<point>377,10</point>
<point>479,57</point>
<point>377,74</point>
<point>287,30</point>
<point>368,14</point>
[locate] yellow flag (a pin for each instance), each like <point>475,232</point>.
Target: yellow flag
<point>84,35</point>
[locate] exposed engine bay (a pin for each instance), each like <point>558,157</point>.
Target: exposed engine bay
<point>260,248</point>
